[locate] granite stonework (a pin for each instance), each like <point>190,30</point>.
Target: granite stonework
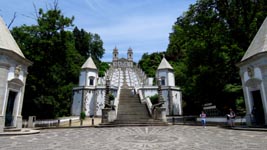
<point>175,137</point>
<point>13,73</point>
<point>253,72</point>
<point>90,96</point>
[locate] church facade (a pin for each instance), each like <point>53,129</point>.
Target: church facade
<point>122,62</point>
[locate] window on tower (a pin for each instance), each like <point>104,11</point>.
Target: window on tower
<point>91,80</point>
<point>162,80</point>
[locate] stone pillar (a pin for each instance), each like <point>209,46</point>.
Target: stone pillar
<point>107,103</point>
<point>170,98</point>
<point>3,91</point>
<point>160,99</point>
<point>19,122</point>
<point>2,123</point>
<point>19,117</point>
<point>160,114</point>
<point>160,110</point>
<point>105,115</point>
<point>107,108</point>
<point>111,115</point>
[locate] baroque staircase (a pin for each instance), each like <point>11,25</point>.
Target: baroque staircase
<point>131,112</point>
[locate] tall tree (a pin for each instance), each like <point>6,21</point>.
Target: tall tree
<point>149,63</point>
<point>56,64</point>
<point>206,43</point>
<point>89,44</point>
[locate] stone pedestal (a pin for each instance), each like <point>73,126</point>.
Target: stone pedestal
<point>31,121</point>
<point>105,115</point>
<point>111,115</point>
<point>19,122</point>
<point>160,114</point>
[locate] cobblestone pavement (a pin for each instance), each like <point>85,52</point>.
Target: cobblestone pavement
<point>135,138</point>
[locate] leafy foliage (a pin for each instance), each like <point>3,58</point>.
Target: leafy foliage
<point>149,63</point>
<point>154,99</point>
<point>89,44</point>
<point>206,43</point>
<point>103,67</point>
<point>57,57</point>
<point>82,115</point>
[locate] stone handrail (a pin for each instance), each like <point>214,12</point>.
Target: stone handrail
<point>116,100</point>
<point>147,101</point>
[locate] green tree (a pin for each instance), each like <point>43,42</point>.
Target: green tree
<point>149,63</point>
<point>56,64</point>
<point>103,67</point>
<point>89,44</point>
<point>206,43</point>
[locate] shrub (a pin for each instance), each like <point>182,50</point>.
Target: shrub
<point>154,99</point>
<point>82,115</point>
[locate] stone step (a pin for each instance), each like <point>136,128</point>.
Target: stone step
<point>132,117</point>
<point>130,101</point>
<point>103,125</point>
<point>132,109</point>
<point>135,114</point>
<point>145,122</point>
<point>132,105</point>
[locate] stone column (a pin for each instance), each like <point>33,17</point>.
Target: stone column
<point>161,114</point>
<point>3,91</point>
<point>160,99</point>
<point>107,103</point>
<point>107,108</point>
<point>105,115</point>
<point>160,110</point>
<point>19,117</point>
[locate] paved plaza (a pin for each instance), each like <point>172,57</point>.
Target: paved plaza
<point>176,137</point>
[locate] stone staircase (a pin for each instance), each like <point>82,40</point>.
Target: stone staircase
<point>130,109</point>
<point>133,113</point>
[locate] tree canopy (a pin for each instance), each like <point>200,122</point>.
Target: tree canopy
<point>57,55</point>
<point>206,43</point>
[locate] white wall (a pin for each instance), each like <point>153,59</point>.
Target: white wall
<point>76,103</point>
<point>82,78</point>
<point>171,80</point>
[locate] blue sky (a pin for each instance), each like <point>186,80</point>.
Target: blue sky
<point>143,25</point>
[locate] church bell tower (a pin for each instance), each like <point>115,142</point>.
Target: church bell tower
<point>115,57</point>
<point>130,57</point>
